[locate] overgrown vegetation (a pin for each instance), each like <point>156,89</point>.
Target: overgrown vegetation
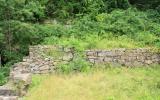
<point>98,84</point>
<point>83,24</point>
<point>78,64</point>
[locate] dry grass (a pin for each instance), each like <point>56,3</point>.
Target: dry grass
<point>108,84</point>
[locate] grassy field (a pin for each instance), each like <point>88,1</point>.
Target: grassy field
<point>98,84</point>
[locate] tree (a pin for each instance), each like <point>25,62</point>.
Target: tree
<point>145,4</point>
<point>15,31</point>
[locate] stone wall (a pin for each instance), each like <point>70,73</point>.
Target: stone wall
<point>44,59</point>
<point>126,57</point>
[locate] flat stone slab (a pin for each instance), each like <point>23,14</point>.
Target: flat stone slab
<point>26,78</point>
<point>8,97</point>
<point>7,90</point>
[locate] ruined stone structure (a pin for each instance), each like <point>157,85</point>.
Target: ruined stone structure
<point>125,57</point>
<point>38,62</point>
<point>45,59</point>
<point>16,87</point>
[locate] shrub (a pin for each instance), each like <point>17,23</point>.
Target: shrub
<point>11,56</point>
<point>30,10</point>
<point>4,73</point>
<point>145,4</point>
<point>65,9</point>
<point>2,79</point>
<point>146,38</point>
<point>79,64</point>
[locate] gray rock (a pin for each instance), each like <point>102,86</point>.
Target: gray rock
<point>101,54</point>
<point>148,62</point>
<point>108,59</point>
<point>45,67</point>
<point>7,90</point>
<point>110,53</point>
<point>67,50</point>
<point>68,57</point>
<point>138,64</point>
<point>44,71</point>
<point>8,97</point>
<point>99,60</point>
<point>91,53</point>
<point>25,78</point>
<point>91,60</point>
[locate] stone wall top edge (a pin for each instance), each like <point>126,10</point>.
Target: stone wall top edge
<point>97,50</point>
<point>47,46</point>
<point>121,49</point>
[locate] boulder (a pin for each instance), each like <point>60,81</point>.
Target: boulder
<point>7,90</point>
<point>26,78</point>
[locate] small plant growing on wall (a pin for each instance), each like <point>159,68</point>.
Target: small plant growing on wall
<point>57,54</point>
<point>19,87</point>
<point>77,64</point>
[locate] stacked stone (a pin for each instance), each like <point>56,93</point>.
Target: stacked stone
<point>35,63</point>
<point>42,63</point>
<point>7,91</point>
<point>126,57</point>
<point>39,63</point>
<point>16,87</point>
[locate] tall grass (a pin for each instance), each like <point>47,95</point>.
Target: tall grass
<point>107,84</point>
<point>97,42</point>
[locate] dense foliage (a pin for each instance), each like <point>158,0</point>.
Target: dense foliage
<point>133,23</point>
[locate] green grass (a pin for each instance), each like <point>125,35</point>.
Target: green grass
<point>96,42</point>
<point>99,84</point>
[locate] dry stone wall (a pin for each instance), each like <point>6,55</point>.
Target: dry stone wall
<point>126,57</point>
<point>16,87</point>
<point>44,59</point>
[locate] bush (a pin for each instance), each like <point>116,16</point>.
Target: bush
<point>30,10</point>
<point>146,38</point>
<point>114,4</point>
<point>57,30</point>
<point>2,79</point>
<point>122,22</point>
<point>79,64</point>
<point>11,56</point>
<point>4,73</point>
<point>65,9</point>
<point>145,4</point>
